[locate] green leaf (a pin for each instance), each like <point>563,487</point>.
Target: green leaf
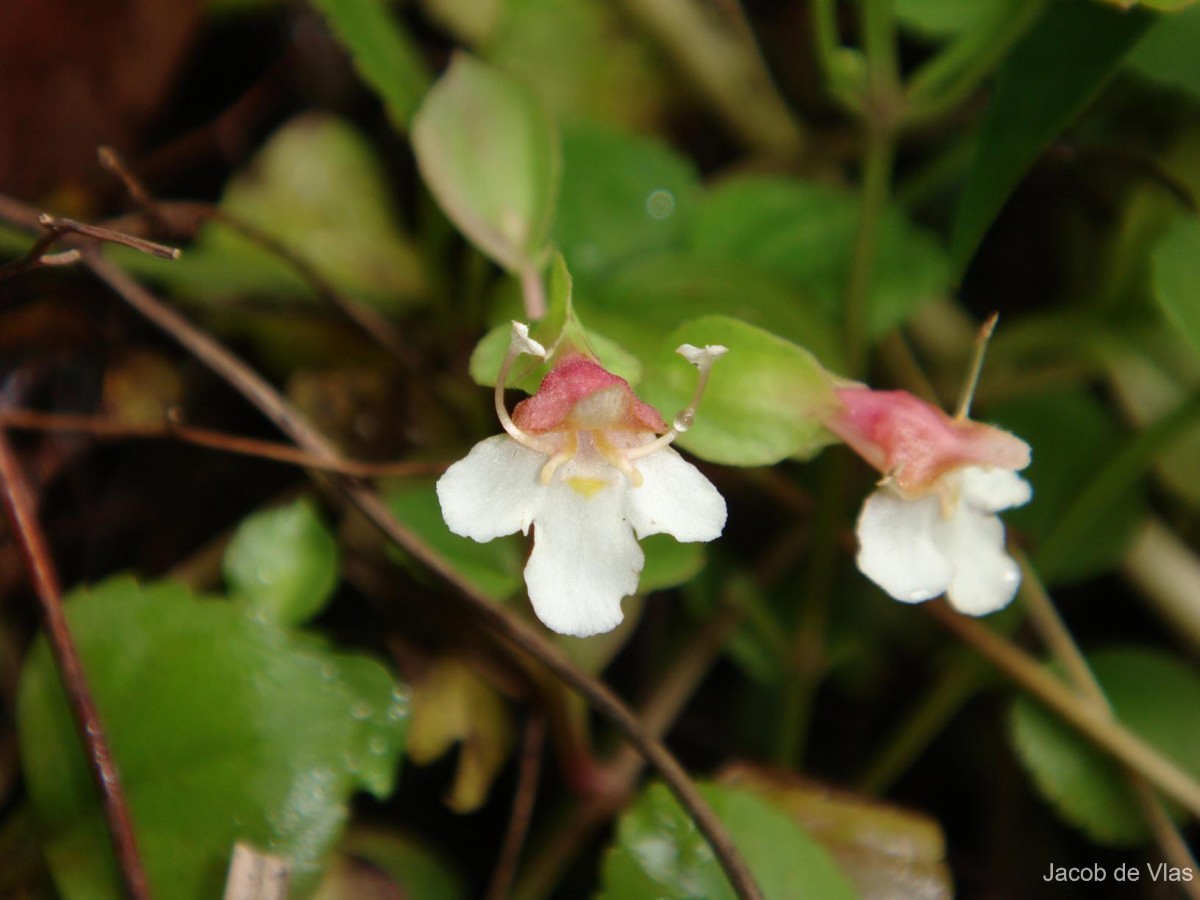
<point>1176,272</point>
<point>937,18</point>
<point>494,568</point>
<point>224,728</point>
<point>804,234</point>
<point>764,402</point>
<point>623,197</point>
<point>384,54</point>
<point>318,188</point>
<point>660,853</point>
<point>669,563</point>
<point>489,153</point>
<point>283,563</point>
<point>582,59</point>
<point>1154,695</point>
<point>1045,83</point>
<point>558,329</point>
<point>1167,54</point>
<point>645,301</point>
<point>417,871</point>
<point>1072,435</point>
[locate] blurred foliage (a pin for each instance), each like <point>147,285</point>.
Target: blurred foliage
<point>837,192</point>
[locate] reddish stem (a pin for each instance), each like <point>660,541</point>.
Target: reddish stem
<point>19,507</point>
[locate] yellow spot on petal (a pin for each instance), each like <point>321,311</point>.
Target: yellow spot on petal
<point>586,487</point>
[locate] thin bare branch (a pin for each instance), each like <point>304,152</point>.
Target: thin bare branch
<point>19,507</point>
<point>532,747</point>
<point>105,427</point>
<point>504,623</point>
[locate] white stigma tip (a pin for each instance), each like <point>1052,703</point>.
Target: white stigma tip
<point>522,343</point>
<point>701,357</point>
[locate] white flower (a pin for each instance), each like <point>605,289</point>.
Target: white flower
<point>583,463</point>
<point>952,543</point>
<point>930,528</point>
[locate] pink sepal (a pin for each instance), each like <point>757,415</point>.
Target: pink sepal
<point>577,378</point>
<point>916,443</point>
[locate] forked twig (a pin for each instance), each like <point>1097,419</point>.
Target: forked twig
<point>19,507</point>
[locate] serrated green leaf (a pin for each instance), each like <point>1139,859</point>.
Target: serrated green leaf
<point>804,234</point>
<point>494,568</point>
<point>623,197</point>
<point>1176,272</point>
<point>383,53</point>
<point>765,398</point>
<point>1072,435</point>
<point>224,728</point>
<point>490,155</point>
<point>660,853</point>
<point>1154,695</point>
<point>1045,83</point>
<point>282,563</point>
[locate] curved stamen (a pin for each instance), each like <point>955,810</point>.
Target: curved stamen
<point>619,458</point>
<point>702,358</point>
<point>566,454</point>
<point>520,343</point>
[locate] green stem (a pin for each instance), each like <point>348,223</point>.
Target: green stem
<point>877,171</point>
<point>949,78</point>
<point>1098,727</point>
<point>1058,639</point>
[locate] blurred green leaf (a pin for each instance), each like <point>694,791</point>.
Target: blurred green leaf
<point>804,233</point>
<point>660,853</point>
<point>668,563</point>
<point>494,568</point>
<point>623,197</point>
<point>886,851</point>
<point>1154,695</point>
<point>1072,435</point>
<point>764,402</point>
<point>224,727</point>
<point>1046,82</point>
<point>283,563</point>
<point>1167,53</point>
<point>453,706</point>
<point>645,301</point>
<point>416,870</point>
<point>1176,272</point>
<point>383,53</point>
<point>583,60</point>
<point>318,188</point>
<point>490,155</point>
<point>937,18</point>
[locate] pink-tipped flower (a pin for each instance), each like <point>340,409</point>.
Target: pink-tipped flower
<point>589,466</point>
<point>931,527</point>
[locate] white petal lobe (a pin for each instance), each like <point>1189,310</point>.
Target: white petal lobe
<point>986,578</point>
<point>897,549</point>
<point>675,498</point>
<point>584,560</point>
<point>991,489</point>
<point>493,491</point>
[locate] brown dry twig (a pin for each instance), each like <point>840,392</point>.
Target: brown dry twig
<point>529,769</point>
<point>104,427</point>
<point>19,507</point>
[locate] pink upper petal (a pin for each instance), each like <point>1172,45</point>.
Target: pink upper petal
<point>576,379</point>
<point>917,443</point>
